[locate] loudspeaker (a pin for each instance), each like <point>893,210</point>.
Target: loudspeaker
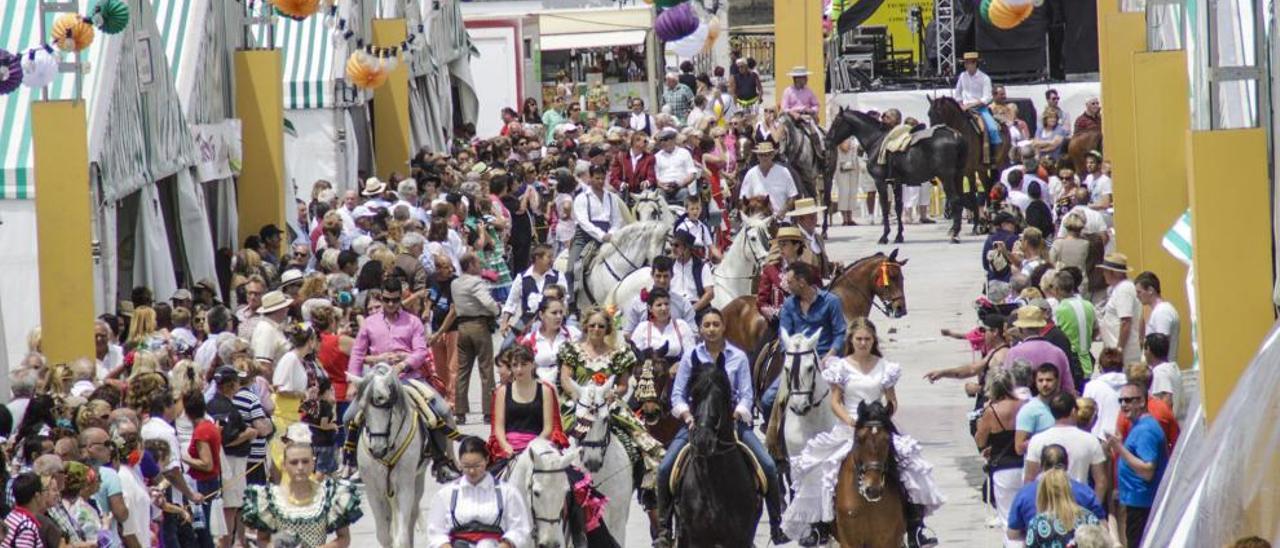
<point>1020,50</point>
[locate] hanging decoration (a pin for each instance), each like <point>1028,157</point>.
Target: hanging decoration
<point>1006,14</point>
<point>72,32</point>
<point>666,3</point>
<point>343,32</point>
<point>369,68</point>
<point>297,9</point>
<point>713,33</point>
<point>676,23</point>
<point>39,66</point>
<point>691,45</point>
<point>110,16</point>
<point>10,72</point>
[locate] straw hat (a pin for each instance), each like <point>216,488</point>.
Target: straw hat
<point>273,301</point>
<point>789,233</point>
<point>373,187</point>
<point>798,72</point>
<point>1030,317</point>
<point>1116,262</point>
<point>970,56</point>
<point>806,206</point>
<point>290,277</point>
<point>765,147</point>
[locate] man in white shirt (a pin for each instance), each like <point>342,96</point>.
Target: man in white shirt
<point>526,290</point>
<point>268,342</point>
<point>596,213</point>
<point>1166,377</point>
<point>638,311</point>
<point>1017,196</point>
<point>640,120</point>
<point>769,179</point>
<point>674,167</point>
<point>350,200</point>
<point>107,353</point>
<point>1122,310</point>
<point>973,89</point>
<point>1098,183</point>
<point>1164,317</point>
<point>163,409</point>
<point>1094,221</point>
<point>690,277</point>
<point>1085,457</point>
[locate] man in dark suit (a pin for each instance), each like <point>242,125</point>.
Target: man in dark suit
<point>633,167</point>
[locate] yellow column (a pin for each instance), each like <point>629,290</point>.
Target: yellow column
<point>1233,288</point>
<point>391,106</point>
<point>797,29</point>
<point>1121,35</point>
<point>260,105</point>
<point>60,139</point>
<point>1160,88</point>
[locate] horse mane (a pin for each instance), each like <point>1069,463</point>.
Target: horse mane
<point>711,387</point>
<point>639,230</point>
<point>948,101</point>
<point>857,264</point>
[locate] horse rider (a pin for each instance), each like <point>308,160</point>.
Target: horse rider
<point>632,168</point>
<point>690,276</point>
<point>705,246</point>
<point>637,311</point>
<point>810,308</point>
<point>746,86</point>
<point>772,290</point>
<point>477,507</point>
<point>897,140</point>
<point>799,102</point>
<point>714,351</point>
<point>769,179</point>
<point>641,121</point>
<point>674,168</point>
<point>805,217</point>
<point>597,214</point>
<point>973,90</point>
<point>526,294</point>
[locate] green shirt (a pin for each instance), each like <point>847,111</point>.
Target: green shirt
<point>552,119</point>
<point>1076,317</point>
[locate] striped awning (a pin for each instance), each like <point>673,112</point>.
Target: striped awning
<point>312,62</point>
<point>1177,241</point>
<point>19,31</point>
<point>181,24</point>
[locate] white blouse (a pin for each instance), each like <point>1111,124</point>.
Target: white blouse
<point>545,350</point>
<point>478,503</point>
<point>858,386</point>
<point>290,376</point>
<point>677,335</point>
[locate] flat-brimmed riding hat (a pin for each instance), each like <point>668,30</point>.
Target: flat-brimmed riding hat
<point>971,56</point>
<point>1116,262</point>
<point>765,147</point>
<point>290,277</point>
<point>806,206</point>
<point>1029,317</point>
<point>273,301</point>
<point>798,72</point>
<point>789,233</point>
<point>373,187</point>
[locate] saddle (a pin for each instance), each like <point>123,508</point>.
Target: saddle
<point>588,255</point>
<point>421,395</point>
<point>762,484</point>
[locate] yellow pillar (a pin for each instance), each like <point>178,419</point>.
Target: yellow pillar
<point>60,141</point>
<point>797,29</point>
<point>391,106</point>
<point>1121,35</point>
<point>1233,288</point>
<point>260,106</point>
<point>1160,88</point>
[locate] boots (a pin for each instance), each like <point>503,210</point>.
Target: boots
<point>773,503</point>
<point>819,535</point>
<point>664,538</point>
<point>917,537</point>
<point>443,466</point>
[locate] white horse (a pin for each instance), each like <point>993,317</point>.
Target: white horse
<point>803,392</point>
<point>630,248</point>
<point>650,205</point>
<point>603,454</point>
<point>390,455</point>
<point>742,262</point>
<point>540,474</point>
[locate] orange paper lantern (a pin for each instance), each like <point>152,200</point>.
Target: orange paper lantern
<point>364,71</point>
<point>71,32</point>
<point>297,9</point>
<point>1004,16</point>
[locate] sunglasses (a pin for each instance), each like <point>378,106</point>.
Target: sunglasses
<point>596,326</point>
<point>390,299</point>
<point>1134,399</point>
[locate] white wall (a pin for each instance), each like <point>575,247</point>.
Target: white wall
<point>19,284</point>
<point>495,77</point>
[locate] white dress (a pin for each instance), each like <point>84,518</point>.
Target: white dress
<point>545,350</point>
<point>815,471</point>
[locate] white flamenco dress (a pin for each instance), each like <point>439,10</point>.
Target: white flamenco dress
<point>815,471</point>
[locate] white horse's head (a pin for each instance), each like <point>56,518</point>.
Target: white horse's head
<point>755,237</point>
<point>800,370</point>
<point>651,206</point>
<point>591,414</point>
<point>541,475</point>
<point>379,396</point>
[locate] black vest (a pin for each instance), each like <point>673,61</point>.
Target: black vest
<point>529,286</point>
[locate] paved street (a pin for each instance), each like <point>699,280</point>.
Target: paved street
<point>942,281</point>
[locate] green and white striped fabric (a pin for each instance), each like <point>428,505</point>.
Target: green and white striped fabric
<point>1177,241</point>
<point>312,62</point>
<point>181,24</point>
<point>19,31</point>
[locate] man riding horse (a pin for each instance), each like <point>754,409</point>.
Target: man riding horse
<point>973,90</point>
<point>801,104</point>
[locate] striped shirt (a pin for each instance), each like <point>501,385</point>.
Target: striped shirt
<point>23,531</point>
<point>250,408</point>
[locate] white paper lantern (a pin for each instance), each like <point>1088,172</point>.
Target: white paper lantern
<point>39,68</point>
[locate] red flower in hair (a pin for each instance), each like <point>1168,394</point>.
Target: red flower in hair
<point>600,378</point>
<point>644,295</point>
<point>530,342</point>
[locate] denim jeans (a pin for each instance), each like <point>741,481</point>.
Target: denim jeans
<point>767,399</point>
<point>748,437</point>
<point>993,129</point>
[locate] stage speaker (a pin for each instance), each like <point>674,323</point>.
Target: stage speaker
<point>1016,51</point>
<point>1080,41</point>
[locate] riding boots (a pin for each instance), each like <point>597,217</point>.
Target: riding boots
<point>916,535</point>
<point>664,538</point>
<point>442,466</point>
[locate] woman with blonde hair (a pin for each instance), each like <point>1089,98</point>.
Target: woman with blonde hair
<point>143,331</point>
<point>1030,251</point>
<point>1072,248</point>
<point>1057,514</point>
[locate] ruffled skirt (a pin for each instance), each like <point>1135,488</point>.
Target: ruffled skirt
<point>816,470</point>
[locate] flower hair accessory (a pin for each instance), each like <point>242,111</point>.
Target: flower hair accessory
<point>600,378</point>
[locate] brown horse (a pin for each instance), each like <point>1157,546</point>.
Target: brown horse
<point>869,496</point>
<point>1081,145</point>
<point>653,395</point>
<point>947,111</point>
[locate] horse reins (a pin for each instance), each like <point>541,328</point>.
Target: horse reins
<point>793,382</point>
<point>882,279</point>
<point>861,468</point>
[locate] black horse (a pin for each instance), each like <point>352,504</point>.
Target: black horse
<point>941,155</point>
<point>719,504</point>
<point>948,112</point>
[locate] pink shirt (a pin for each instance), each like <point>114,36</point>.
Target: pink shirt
<point>799,100</point>
<point>379,335</point>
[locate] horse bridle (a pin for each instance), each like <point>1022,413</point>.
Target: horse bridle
<point>882,273</point>
<point>650,199</point>
<point>389,407</point>
<point>756,261</point>
<point>533,510</point>
<point>861,468</point>
<point>594,409</point>
<point>793,382</point>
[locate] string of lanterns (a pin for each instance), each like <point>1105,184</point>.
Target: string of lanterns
<point>71,33</point>
<point>368,66</point>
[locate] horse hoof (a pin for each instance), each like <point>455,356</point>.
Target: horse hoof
<point>898,240</point>
<point>884,239</point>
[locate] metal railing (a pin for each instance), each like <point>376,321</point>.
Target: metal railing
<point>755,45</point>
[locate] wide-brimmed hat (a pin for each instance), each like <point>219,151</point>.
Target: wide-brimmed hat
<point>290,277</point>
<point>971,56</point>
<point>273,301</point>
<point>1030,317</point>
<point>181,295</point>
<point>789,233</point>
<point>362,211</point>
<point>373,187</point>
<point>798,71</point>
<point>206,284</point>
<point>765,147</point>
<point>1116,262</point>
<point>806,206</point>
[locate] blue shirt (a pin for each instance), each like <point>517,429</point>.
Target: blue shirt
<point>736,365</point>
<point>826,313</point>
<point>1034,417</point>
<point>1145,441</point>
<point>1024,504</point>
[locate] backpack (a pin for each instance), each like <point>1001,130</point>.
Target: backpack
<point>223,412</point>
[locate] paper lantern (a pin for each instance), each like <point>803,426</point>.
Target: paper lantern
<point>297,9</point>
<point>689,46</point>
<point>667,3</point>
<point>1017,3</point>
<point>365,71</point>
<point>984,11</point>
<point>1003,16</point>
<point>10,72</point>
<point>676,23</point>
<point>713,31</point>
<point>111,16</point>
<point>39,67</point>
<point>71,32</point>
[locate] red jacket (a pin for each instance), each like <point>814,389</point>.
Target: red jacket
<point>622,171</point>
<point>769,291</point>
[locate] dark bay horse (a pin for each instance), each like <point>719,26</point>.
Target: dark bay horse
<point>948,112</point>
<point>869,496</point>
<point>939,156</point>
<point>652,403</point>
<point>719,502</point>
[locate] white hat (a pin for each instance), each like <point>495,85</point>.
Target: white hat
<point>798,71</point>
<point>806,206</point>
<point>273,301</point>
<point>326,195</point>
<point>290,277</point>
<point>363,211</point>
<point>373,187</point>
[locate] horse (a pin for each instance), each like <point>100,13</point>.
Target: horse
<point>804,394</point>
<point>629,249</point>
<point>603,454</point>
<point>947,111</point>
<point>1081,145</point>
<point>736,274</point>
<point>391,454</point>
<point>650,205</point>
<point>540,474</point>
<point>804,155</point>
<point>940,155</point>
<point>869,495</point>
<point>717,498</point>
<point>651,400</point>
